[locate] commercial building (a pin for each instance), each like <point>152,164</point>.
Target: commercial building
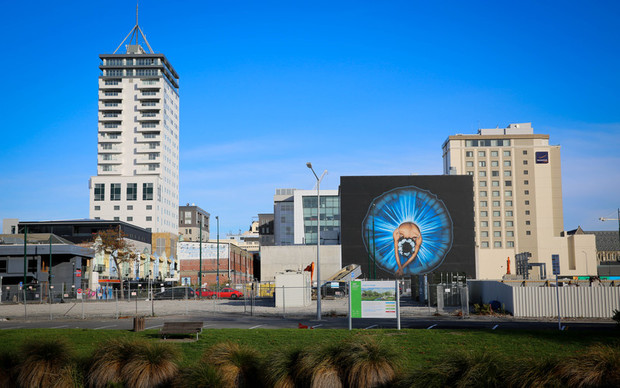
<point>193,223</point>
<point>137,177</point>
<point>234,265</point>
<point>295,217</point>
<point>517,199</point>
<point>265,229</point>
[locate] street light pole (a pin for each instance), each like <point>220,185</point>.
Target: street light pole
<point>200,265</point>
<point>318,240</point>
<point>217,294</point>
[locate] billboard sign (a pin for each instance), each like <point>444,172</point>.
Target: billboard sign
<point>542,157</point>
<point>373,299</point>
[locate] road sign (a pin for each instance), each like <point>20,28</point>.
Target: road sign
<point>555,263</point>
<point>78,273</point>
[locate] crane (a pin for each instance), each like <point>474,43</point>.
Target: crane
<point>613,219</point>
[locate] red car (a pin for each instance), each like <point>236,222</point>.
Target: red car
<point>225,293</point>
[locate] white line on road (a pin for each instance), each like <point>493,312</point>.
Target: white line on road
<point>152,327</point>
<point>254,327</point>
<point>59,327</point>
<point>11,328</point>
<point>207,325</point>
<point>316,326</point>
<point>103,327</point>
<point>494,327</point>
<point>430,327</point>
<point>370,327</point>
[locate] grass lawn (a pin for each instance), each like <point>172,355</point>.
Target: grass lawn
<point>416,346</point>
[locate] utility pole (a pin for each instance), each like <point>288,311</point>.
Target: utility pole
<point>200,255</point>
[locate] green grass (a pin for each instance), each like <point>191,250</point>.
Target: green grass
<point>414,346</point>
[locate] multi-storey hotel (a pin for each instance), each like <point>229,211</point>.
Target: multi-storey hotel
<point>517,197</point>
<point>138,139</point>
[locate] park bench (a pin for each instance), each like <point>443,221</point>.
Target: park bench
<point>181,328</point>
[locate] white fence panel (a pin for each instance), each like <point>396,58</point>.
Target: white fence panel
<point>575,302</point>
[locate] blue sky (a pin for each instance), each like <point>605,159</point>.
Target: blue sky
<point>356,88</point>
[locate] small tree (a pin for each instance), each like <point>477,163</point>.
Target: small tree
<point>113,242</point>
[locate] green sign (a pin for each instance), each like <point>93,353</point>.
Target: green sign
<point>356,299</point>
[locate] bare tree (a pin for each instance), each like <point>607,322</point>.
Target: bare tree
<point>113,242</point>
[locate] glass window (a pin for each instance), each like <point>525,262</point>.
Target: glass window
<point>481,153</point>
<point>497,224</point>
<point>482,173</point>
<point>149,207</point>
<point>116,207</point>
<point>525,162</point>
<point>526,182</point>
<point>149,218</point>
<point>494,153</point>
<point>485,244</point>
<point>132,191</point>
<point>129,207</point>
<point>483,203</point>
<point>497,244</point>
<point>469,164</point>
<point>507,173</point>
<point>482,164</point>
<point>117,218</point>
<point>510,244</point>
<point>484,213</point>
<point>506,153</point>
<point>527,192</point>
<point>525,172</point>
<point>99,191</point>
<point>509,203</point>
<point>527,232</point>
<point>469,154</point>
<point>507,183</point>
<point>508,193</point>
<point>507,163</point>
<point>527,222</point>
<point>115,192</point>
<point>470,173</point>
<point>129,218</point>
<point>509,223</point>
<point>484,224</point>
<point>527,202</point>
<point>508,213</point>
<point>495,173</point>
<point>484,234</point>
<point>483,183</point>
<point>496,203</point>
<point>483,193</point>
<point>524,152</point>
<point>497,234</point>
<point>97,207</point>
<point>527,212</point>
<point>496,213</point>
<point>496,193</point>
<point>510,233</point>
<point>495,183</point>
<point>494,163</point>
<point>147,191</point>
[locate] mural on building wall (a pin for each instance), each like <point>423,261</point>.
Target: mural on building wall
<point>407,231</point>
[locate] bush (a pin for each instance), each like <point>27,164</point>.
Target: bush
<point>367,362</point>
<point>284,369</point>
<point>109,359</point>
<point>200,375</point>
<point>597,366</point>
<point>238,366</point>
<point>46,362</point>
<point>616,317</point>
<point>153,366</point>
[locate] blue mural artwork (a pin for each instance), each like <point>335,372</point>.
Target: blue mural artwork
<point>408,231</point>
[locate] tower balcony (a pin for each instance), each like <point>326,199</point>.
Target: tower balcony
<point>145,148</point>
<point>146,170</point>
<point>149,116</point>
<point>110,105</point>
<point>110,116</point>
<point>150,105</point>
<point>110,148</point>
<point>106,138</point>
<point>114,160</point>
<point>144,159</point>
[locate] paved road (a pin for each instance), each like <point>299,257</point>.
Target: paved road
<point>215,321</point>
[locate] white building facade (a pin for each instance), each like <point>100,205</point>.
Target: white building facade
<point>137,177</point>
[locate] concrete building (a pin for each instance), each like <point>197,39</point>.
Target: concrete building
<point>518,199</point>
<point>277,259</point>
<point>234,265</point>
<point>190,219</point>
<point>265,229</point>
<point>295,217</point>
<point>137,177</point>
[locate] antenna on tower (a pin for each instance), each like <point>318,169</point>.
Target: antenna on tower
<point>134,33</point>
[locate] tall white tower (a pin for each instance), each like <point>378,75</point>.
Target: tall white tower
<point>138,138</point>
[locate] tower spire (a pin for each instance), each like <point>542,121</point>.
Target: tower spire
<point>137,32</point>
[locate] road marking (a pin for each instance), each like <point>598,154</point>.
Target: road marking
<point>11,328</point>
<point>370,327</point>
<point>103,327</point>
<point>152,327</point>
<point>59,327</point>
<point>494,327</point>
<point>430,327</point>
<point>207,325</point>
<point>254,327</point>
<point>316,326</point>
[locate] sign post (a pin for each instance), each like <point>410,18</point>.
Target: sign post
<point>555,263</point>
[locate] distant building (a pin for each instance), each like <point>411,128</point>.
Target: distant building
<point>295,217</point>
<point>266,229</point>
<point>191,217</point>
<point>233,264</point>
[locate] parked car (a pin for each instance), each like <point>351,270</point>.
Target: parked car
<point>176,293</point>
<point>224,293</point>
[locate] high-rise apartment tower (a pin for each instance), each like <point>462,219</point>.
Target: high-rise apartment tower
<point>137,177</point>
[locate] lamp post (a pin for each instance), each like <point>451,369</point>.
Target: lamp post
<point>217,251</point>
<point>318,240</point>
<point>200,265</point>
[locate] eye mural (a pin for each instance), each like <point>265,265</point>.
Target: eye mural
<point>408,231</point>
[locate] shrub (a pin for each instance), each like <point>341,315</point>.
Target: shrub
<point>533,373</point>
<point>109,359</point>
<point>284,368</point>
<point>200,375</point>
<point>483,309</point>
<point>46,363</point>
<point>238,366</point>
<point>152,366</point>
<point>598,366</point>
<point>8,366</point>
<point>367,363</point>
<point>319,368</point>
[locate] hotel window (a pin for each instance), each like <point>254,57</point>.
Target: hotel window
<point>117,219</point>
<point>469,164</point>
<point>496,213</point>
<point>469,154</point>
<point>147,191</point>
<point>115,192</point>
<point>527,232</point>
<point>527,222</point>
<point>524,152</point>
<point>508,183</point>
<point>509,213</point>
<point>483,203</point>
<point>509,203</point>
<point>485,244</point>
<point>129,218</point>
<point>495,183</point>
<point>132,191</point>
<point>497,244</point>
<point>116,207</point>
<point>129,207</point>
<point>470,173</point>
<point>149,218</point>
<point>510,233</point>
<point>497,234</point>
<point>497,224</point>
<point>527,202</point>
<point>484,224</point>
<point>494,163</point>
<point>506,153</point>
<point>97,207</point>
<point>525,162</point>
<point>482,173</point>
<point>525,172</point>
<point>507,163</point>
<point>496,193</point>
<point>527,212</point>
<point>495,203</point>
<point>483,183</point>
<point>484,214</point>
<point>483,193</point>
<point>149,207</point>
<point>510,244</point>
<point>526,192</point>
<point>482,164</point>
<point>508,193</point>
<point>481,153</point>
<point>509,224</point>
<point>495,173</point>
<point>99,191</point>
<point>106,146</point>
<point>494,153</point>
<point>484,234</point>
<point>526,182</point>
<point>507,173</point>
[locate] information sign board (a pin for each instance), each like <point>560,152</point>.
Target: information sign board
<point>373,299</point>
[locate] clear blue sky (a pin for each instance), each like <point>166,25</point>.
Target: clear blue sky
<point>354,87</point>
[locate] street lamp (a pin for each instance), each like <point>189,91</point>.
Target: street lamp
<point>217,250</point>
<point>318,239</point>
<point>200,255</point>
